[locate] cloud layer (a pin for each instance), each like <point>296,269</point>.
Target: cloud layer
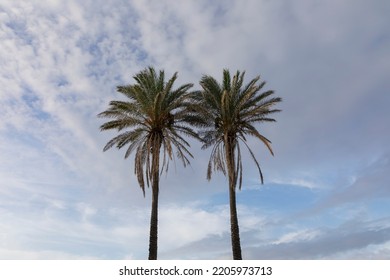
<point>326,193</point>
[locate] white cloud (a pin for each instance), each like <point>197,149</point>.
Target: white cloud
<point>370,184</point>
<point>299,182</point>
<point>60,62</point>
<point>297,236</point>
<point>347,241</point>
<point>183,225</point>
<point>371,252</point>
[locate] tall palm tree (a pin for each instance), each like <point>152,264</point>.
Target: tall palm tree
<point>151,123</point>
<point>230,111</point>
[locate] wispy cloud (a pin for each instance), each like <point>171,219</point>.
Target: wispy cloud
<point>341,242</point>
<point>62,197</point>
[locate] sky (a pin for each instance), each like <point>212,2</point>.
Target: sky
<point>326,193</point>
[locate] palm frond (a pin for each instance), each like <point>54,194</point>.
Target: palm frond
<point>155,118</point>
<point>232,109</point>
<point>256,163</point>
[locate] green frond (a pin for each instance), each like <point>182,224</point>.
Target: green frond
<point>179,98</point>
<point>239,167</point>
<point>118,124</point>
<point>155,118</point>
<point>159,86</point>
<point>248,94</point>
<point>259,119</point>
<point>123,106</point>
<point>250,115</point>
<point>135,139</point>
<point>130,137</point>
<point>262,101</point>
<point>232,109</point>
<point>212,92</point>
<point>256,163</point>
<point>113,141</point>
<point>140,157</point>
<point>238,80</point>
<point>255,133</point>
<point>251,86</point>
<point>168,86</point>
<point>216,160</point>
<point>209,138</point>
<point>226,80</point>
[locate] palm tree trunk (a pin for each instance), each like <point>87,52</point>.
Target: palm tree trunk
<point>153,236</point>
<point>234,228</point>
<point>153,224</point>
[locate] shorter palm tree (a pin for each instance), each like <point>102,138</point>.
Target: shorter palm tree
<point>154,117</point>
<point>229,112</point>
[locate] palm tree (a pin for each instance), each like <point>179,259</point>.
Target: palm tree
<point>229,111</point>
<point>151,123</point>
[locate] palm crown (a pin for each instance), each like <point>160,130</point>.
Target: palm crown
<point>154,116</point>
<point>230,111</point>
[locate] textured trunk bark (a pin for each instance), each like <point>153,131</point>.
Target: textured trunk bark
<point>235,231</point>
<point>153,236</point>
<point>153,225</point>
<point>234,228</point>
